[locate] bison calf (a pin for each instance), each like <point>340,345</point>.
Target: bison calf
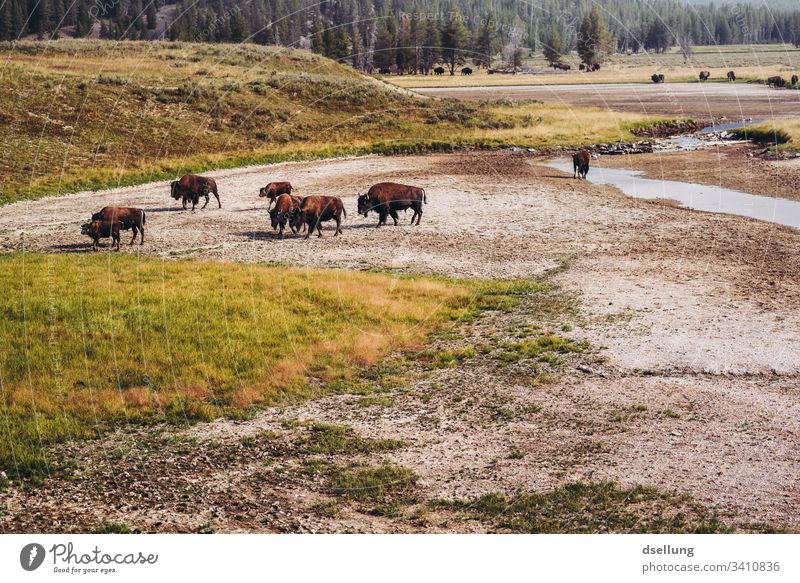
<point>386,198</point>
<point>314,210</point>
<point>286,208</point>
<point>580,164</point>
<point>128,218</point>
<point>192,187</point>
<point>100,229</point>
<point>273,190</point>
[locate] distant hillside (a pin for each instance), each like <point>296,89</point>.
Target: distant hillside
<point>406,34</point>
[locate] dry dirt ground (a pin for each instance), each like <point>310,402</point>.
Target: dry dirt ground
<point>737,167</point>
<point>700,100</point>
<point>692,382</point>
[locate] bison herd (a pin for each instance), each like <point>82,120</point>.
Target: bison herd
<point>298,213</point>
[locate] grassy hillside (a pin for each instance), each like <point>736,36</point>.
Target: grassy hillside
<point>92,114</point>
<point>94,342</point>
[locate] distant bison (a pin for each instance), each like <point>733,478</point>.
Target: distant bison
<point>286,207</point>
<point>562,66</point>
<point>466,71</point>
<point>386,198</point>
<point>128,218</point>
<point>314,210</point>
<point>593,67</point>
<point>439,71</point>
<point>102,229</point>
<point>731,76</point>
<point>191,187</point>
<point>776,81</point>
<point>657,78</point>
<point>384,71</point>
<point>704,75</point>
<point>582,67</point>
<point>273,190</point>
<point>580,164</point>
<point>795,78</point>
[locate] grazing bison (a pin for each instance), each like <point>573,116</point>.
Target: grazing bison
<point>286,207</point>
<point>466,71</point>
<point>582,67</point>
<point>562,66</point>
<point>98,229</point>
<point>384,71</point>
<point>795,78</point>
<point>273,190</point>
<point>580,164</point>
<point>655,78</point>
<point>192,187</point>
<point>594,67</point>
<point>386,198</point>
<point>314,210</point>
<point>776,81</point>
<point>438,71</point>
<point>731,76</point>
<point>128,218</point>
<point>704,75</point>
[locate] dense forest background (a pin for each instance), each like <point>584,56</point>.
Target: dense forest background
<point>405,35</point>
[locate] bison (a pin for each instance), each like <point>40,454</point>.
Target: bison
<point>776,81</point>
<point>98,229</point>
<point>466,71</point>
<point>128,218</point>
<point>438,71</point>
<point>582,67</point>
<point>594,67</point>
<point>286,207</point>
<point>192,187</point>
<point>795,78</point>
<point>731,76</point>
<point>704,75</point>
<point>580,164</point>
<point>273,190</point>
<point>314,210</point>
<point>386,198</point>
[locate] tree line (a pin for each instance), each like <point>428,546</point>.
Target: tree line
<point>410,35</point>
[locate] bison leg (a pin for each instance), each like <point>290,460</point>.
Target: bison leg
<point>319,228</point>
<point>309,228</point>
<point>135,229</point>
<point>417,213</point>
<point>381,218</point>
<point>206,204</point>
<point>393,213</point>
<point>338,225</point>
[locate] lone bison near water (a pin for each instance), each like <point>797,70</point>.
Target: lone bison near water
<point>731,76</point>
<point>438,71</point>
<point>286,207</point>
<point>580,164</point>
<point>466,71</point>
<point>191,187</point>
<point>704,75</point>
<point>776,81</point>
<point>128,218</point>
<point>314,210</point>
<point>273,190</point>
<point>386,198</point>
<point>99,229</point>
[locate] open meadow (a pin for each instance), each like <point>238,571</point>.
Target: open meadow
<point>540,354</point>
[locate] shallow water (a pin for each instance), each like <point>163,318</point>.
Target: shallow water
<point>699,197</point>
<point>728,126</point>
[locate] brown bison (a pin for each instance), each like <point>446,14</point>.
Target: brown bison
<point>275,189</point>
<point>776,81</point>
<point>731,76</point>
<point>192,187</point>
<point>562,66</point>
<point>128,218</point>
<point>314,210</point>
<point>795,78</point>
<point>466,71</point>
<point>286,207</point>
<point>657,77</point>
<point>704,75</point>
<point>99,229</point>
<point>386,198</point>
<point>580,164</point>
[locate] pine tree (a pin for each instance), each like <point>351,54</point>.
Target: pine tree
<point>83,22</point>
<point>240,30</point>
<point>553,45</point>
<point>431,46</point>
<point>454,40</point>
<point>486,44</point>
<point>594,39</point>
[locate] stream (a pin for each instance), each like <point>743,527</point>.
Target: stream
<point>699,197</point>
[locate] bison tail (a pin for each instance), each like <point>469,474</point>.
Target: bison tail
<point>424,197</point>
<point>344,211</point>
<point>144,217</point>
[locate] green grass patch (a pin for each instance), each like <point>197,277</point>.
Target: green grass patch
<point>595,507</point>
<point>92,342</point>
<point>384,484</point>
<point>545,349</point>
<point>326,438</point>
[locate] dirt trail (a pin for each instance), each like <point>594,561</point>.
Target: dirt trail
<point>693,383</point>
